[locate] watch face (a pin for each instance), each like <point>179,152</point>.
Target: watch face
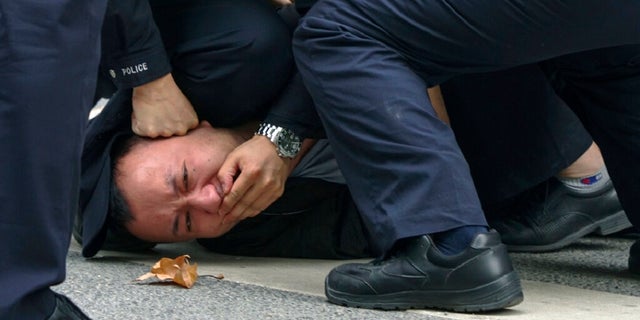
<point>288,144</point>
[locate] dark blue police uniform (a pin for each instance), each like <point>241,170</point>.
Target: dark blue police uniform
<point>231,58</point>
<point>521,126</point>
<point>366,64</point>
<point>49,54</point>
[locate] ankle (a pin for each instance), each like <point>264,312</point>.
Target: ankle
<point>587,184</point>
<point>588,164</point>
<point>456,240</point>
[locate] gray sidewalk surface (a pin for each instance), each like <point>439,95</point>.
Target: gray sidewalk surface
<point>587,280</point>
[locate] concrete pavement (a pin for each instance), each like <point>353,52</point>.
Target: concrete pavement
<point>588,280</point>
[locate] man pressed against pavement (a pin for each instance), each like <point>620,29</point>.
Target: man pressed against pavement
<point>446,302</point>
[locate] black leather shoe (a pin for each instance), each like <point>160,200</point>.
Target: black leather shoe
<point>415,274</point>
<point>556,217</point>
<point>67,310</point>
<point>634,258</point>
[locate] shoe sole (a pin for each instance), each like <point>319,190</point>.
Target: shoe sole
<point>611,224</point>
<point>502,293</point>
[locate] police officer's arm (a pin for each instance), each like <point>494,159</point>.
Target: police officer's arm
<point>134,57</point>
<point>253,175</point>
<point>260,172</point>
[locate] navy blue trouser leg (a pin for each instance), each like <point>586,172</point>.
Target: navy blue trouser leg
<point>49,56</point>
<point>366,64</point>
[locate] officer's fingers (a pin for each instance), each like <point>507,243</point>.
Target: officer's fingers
<point>260,205</point>
<point>238,190</point>
<point>143,131</point>
<point>182,127</point>
<point>239,211</point>
<point>194,122</point>
<point>245,208</point>
<point>179,130</point>
<point>153,132</point>
<point>227,173</point>
<point>256,202</point>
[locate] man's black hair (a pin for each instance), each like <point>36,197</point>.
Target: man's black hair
<point>119,214</point>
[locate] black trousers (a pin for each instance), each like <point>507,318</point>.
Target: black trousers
<point>313,219</point>
<point>366,64</point>
<point>520,126</point>
<point>319,220</point>
<point>514,130</point>
<point>49,56</point>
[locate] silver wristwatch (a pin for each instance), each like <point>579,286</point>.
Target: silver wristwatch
<point>287,143</point>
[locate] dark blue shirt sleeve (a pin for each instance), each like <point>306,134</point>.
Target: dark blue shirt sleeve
<point>132,49</point>
<point>295,111</point>
<point>133,54</point>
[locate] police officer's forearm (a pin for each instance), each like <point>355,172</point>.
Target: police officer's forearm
<point>132,49</point>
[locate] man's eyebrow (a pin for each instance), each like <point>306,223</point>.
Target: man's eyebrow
<point>170,181</point>
<point>185,175</point>
<point>176,225</point>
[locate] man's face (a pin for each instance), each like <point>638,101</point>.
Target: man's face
<point>171,185</point>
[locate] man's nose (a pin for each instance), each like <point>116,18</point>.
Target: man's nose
<point>206,199</point>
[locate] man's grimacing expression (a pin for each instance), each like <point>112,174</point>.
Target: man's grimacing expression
<point>171,185</point>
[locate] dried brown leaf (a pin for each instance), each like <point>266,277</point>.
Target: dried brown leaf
<point>177,270</point>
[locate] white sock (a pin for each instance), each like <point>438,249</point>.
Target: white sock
<point>588,184</point>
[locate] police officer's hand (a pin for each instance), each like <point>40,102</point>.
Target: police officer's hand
<point>260,176</point>
<point>161,109</point>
